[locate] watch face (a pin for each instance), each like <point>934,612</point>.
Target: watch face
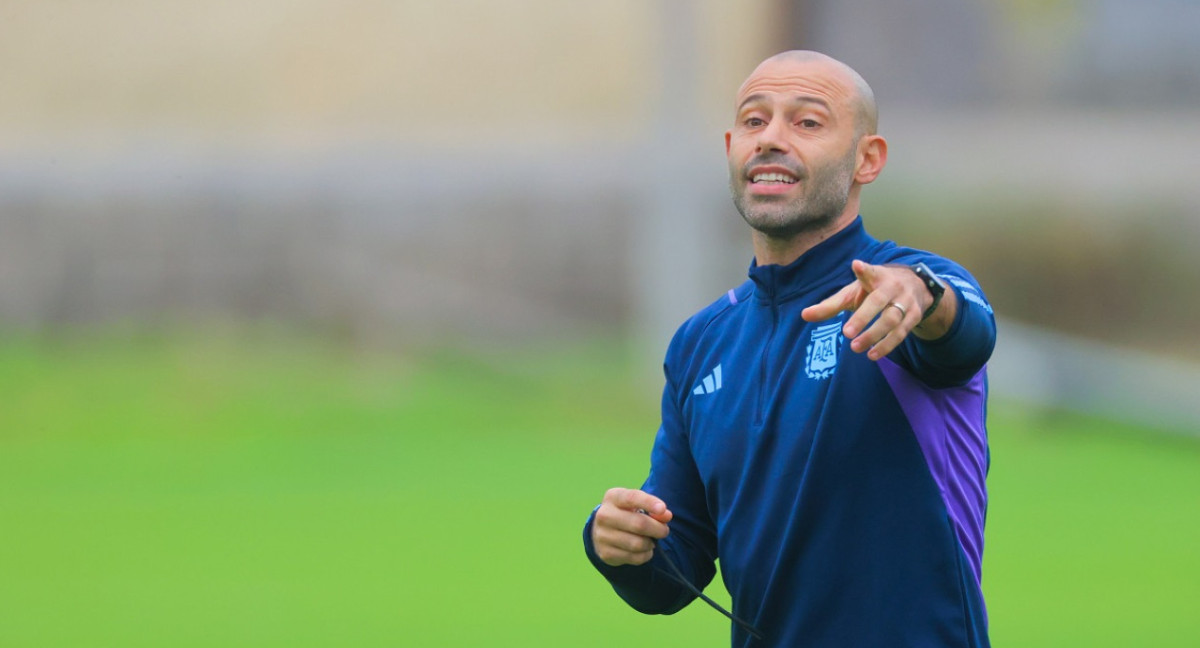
<point>935,286</point>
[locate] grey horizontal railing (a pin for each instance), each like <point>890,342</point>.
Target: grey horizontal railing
<point>1050,369</point>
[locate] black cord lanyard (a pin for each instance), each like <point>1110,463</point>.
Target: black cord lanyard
<point>676,575</point>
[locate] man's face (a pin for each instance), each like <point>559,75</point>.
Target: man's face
<point>792,150</point>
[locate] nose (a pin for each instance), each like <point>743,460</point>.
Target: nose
<point>770,137</point>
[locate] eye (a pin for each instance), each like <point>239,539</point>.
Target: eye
<point>755,122</point>
<point>808,123</point>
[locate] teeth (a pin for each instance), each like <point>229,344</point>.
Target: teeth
<point>773,177</point>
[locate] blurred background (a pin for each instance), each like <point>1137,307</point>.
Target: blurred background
<point>328,322</point>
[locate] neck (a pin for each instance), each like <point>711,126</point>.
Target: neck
<point>770,250</point>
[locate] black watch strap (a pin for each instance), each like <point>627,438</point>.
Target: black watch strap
<point>932,283</point>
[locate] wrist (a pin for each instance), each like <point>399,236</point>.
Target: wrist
<point>941,321</point>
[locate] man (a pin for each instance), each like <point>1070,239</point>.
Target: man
<point>823,423</point>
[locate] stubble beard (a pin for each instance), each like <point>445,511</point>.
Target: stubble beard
<point>826,192</point>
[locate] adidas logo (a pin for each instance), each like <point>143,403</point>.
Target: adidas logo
<point>710,384</point>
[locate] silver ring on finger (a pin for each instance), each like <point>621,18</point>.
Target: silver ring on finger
<point>903,311</point>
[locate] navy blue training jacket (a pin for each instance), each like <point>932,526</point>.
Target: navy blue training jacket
<point>845,498</point>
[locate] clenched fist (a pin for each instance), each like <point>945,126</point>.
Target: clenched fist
<point>626,526</point>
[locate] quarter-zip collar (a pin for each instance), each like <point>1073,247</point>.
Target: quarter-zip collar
<point>824,261</point>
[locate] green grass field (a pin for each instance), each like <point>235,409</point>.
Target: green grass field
<point>269,490</point>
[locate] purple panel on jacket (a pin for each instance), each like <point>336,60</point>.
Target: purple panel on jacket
<point>949,425</point>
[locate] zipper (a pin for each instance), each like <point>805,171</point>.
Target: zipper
<point>766,358</point>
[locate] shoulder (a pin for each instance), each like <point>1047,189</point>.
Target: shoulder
<point>948,270</point>
<point>688,335</point>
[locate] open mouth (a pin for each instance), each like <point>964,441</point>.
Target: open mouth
<point>772,178</point>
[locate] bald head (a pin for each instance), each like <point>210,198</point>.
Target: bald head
<point>861,97</point>
<point>802,145</point>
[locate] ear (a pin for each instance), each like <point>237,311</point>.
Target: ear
<point>872,157</point>
<point>728,138</point>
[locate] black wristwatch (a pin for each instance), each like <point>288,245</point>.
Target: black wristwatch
<point>935,286</point>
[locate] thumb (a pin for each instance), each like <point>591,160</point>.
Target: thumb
<point>842,300</point>
<point>630,499</point>
<point>654,507</point>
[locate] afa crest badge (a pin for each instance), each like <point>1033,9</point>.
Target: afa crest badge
<point>821,357</point>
